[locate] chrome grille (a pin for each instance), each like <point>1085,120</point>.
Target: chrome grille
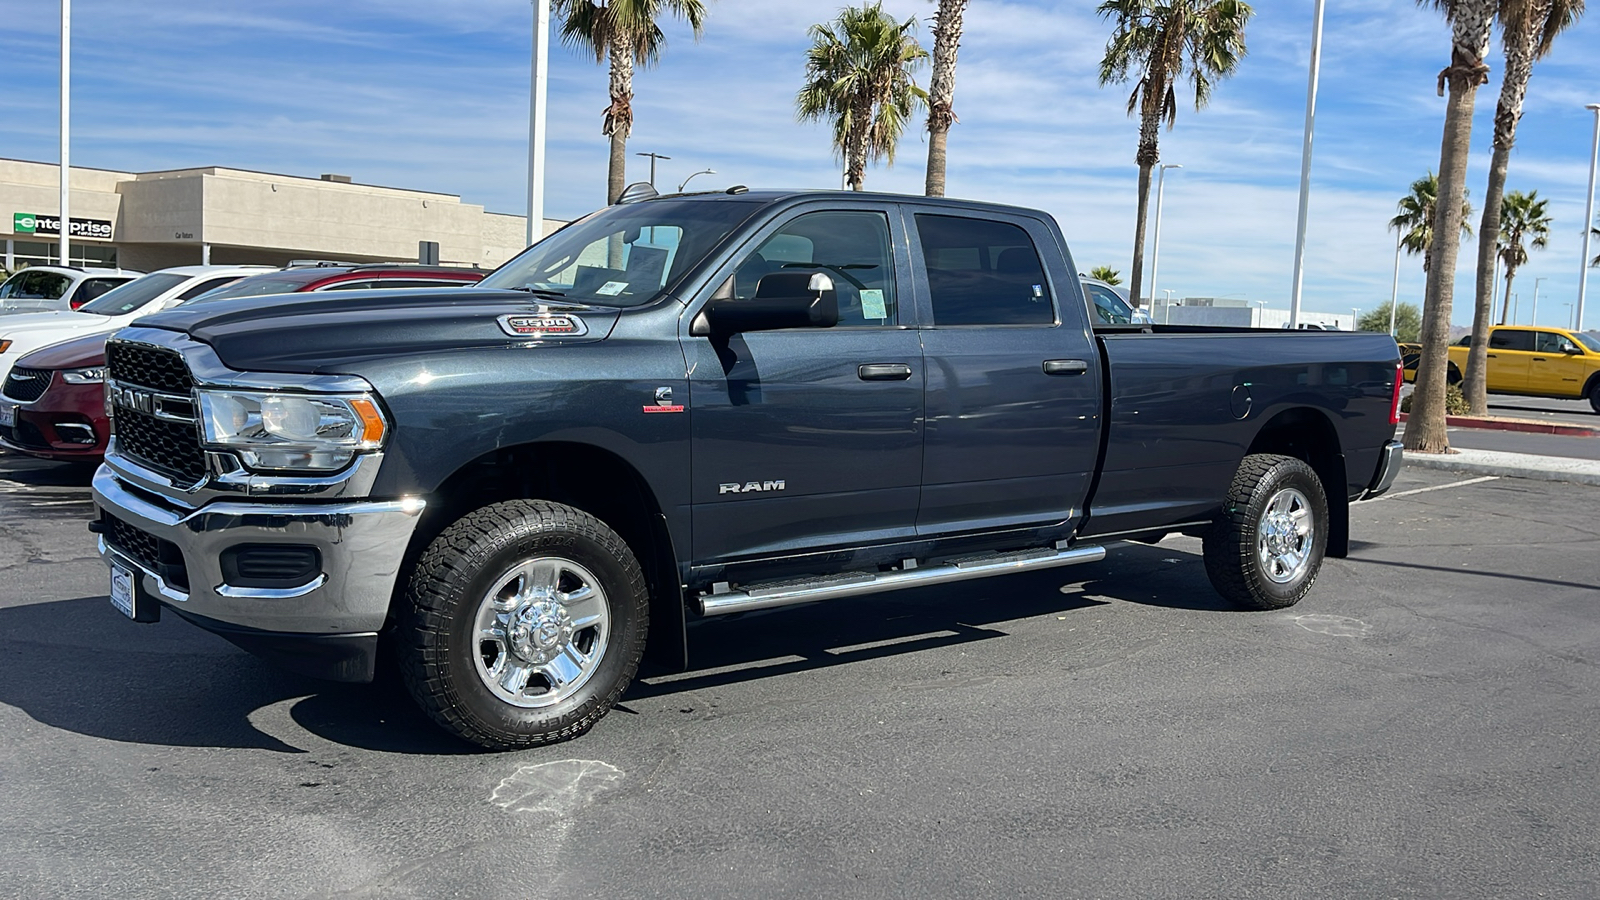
<point>169,447</point>
<point>152,367</point>
<point>26,385</point>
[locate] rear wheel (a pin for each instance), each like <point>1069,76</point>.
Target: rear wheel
<point>1267,548</point>
<point>526,622</point>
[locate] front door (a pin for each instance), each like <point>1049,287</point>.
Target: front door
<point>1557,367</point>
<point>1013,383</point>
<point>810,437</point>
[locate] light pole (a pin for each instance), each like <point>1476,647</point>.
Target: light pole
<point>653,158</point>
<point>1305,166</point>
<point>1568,316</point>
<point>1588,215</point>
<point>1534,319</point>
<point>536,119</point>
<point>1394,292</point>
<point>1155,251</point>
<point>1168,316</point>
<point>691,177</point>
<point>66,164</point>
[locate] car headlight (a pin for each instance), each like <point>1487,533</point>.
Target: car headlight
<point>318,432</point>
<point>92,375</point>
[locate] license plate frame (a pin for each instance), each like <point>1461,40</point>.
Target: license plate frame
<point>127,597</point>
<point>8,415</point>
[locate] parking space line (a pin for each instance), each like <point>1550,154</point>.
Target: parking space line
<point>1437,487</point>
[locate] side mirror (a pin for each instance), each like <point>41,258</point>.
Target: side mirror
<point>1573,351</point>
<point>782,300</point>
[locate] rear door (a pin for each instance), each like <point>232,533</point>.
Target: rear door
<point>1014,398</point>
<point>1510,352</point>
<point>810,437</point>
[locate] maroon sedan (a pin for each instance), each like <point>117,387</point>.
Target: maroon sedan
<point>52,404</point>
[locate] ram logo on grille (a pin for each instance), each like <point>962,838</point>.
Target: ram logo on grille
<point>133,398</point>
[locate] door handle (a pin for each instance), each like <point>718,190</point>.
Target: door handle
<point>1491,356</point>
<point>1540,359</point>
<point>1065,367</point>
<point>883,372</point>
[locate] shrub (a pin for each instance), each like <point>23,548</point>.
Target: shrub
<point>1455,402</point>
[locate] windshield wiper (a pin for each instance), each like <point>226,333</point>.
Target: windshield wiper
<point>543,292</point>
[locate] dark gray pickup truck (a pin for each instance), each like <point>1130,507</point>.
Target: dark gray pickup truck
<point>697,405</point>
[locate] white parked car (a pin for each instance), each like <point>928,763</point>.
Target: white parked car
<point>44,288</point>
<point>114,309</point>
<point>1110,304</point>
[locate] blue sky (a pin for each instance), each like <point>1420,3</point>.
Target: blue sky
<point>434,96</point>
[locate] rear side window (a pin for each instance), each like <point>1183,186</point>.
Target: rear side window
<point>1511,340</point>
<point>37,286</point>
<point>982,272</point>
<point>209,284</point>
<point>91,288</point>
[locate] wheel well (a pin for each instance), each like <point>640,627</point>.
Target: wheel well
<point>1307,435</point>
<point>1589,386</point>
<point>591,479</point>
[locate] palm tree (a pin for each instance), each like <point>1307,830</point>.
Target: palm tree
<point>1528,32</point>
<point>1106,274</point>
<point>1161,42</point>
<point>858,74</point>
<point>1417,212</point>
<point>942,88</point>
<point>626,33</point>
<point>1521,216</point>
<point>1471,22</point>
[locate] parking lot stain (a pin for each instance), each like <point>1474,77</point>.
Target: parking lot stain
<point>561,787</point>
<point>1333,626</point>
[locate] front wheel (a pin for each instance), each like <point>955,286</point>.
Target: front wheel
<point>1594,395</point>
<point>525,622</point>
<point>1267,547</point>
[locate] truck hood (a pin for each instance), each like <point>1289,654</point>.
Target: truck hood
<point>325,332</point>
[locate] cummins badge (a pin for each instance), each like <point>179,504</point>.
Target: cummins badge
<point>543,325</point>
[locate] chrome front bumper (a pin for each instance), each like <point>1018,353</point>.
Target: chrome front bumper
<point>1390,461</point>
<point>361,546</point>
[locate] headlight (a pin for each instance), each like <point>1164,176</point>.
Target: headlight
<point>319,432</point>
<point>94,375</point>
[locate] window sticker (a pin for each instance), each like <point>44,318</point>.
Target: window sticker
<point>611,288</point>
<point>872,305</point>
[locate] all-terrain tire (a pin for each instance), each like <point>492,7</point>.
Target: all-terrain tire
<point>1265,550</point>
<point>441,641</point>
<point>1594,395</point>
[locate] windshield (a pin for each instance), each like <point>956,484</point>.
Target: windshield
<point>1588,340</point>
<point>623,255</point>
<point>254,287</point>
<point>136,293</point>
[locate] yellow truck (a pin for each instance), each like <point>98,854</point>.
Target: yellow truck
<point>1537,362</point>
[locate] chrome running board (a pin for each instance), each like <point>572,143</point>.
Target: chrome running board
<point>855,584</point>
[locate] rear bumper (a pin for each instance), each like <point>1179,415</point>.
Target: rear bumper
<point>1390,461</point>
<point>327,626</point>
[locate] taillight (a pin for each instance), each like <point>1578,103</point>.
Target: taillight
<point>75,303</point>
<point>1394,404</point>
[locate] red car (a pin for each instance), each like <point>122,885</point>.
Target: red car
<point>52,404</point>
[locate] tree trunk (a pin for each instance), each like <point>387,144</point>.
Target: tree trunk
<point>942,90</point>
<point>1425,430</point>
<point>1505,305</point>
<point>855,156</point>
<point>1520,49</point>
<point>1148,157</point>
<point>619,118</point>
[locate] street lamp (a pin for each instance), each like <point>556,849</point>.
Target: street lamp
<point>1305,166</point>
<point>66,165</point>
<point>1588,216</point>
<point>1155,251</point>
<point>536,119</point>
<point>1534,319</point>
<point>1569,314</point>
<point>1394,292</point>
<point>653,158</point>
<point>691,177</point>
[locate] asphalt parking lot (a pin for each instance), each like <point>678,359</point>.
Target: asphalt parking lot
<point>1421,726</point>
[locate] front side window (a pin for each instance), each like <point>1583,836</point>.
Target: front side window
<point>983,272</point>
<point>125,299</point>
<point>852,248</point>
<point>1506,339</point>
<point>623,255</point>
<point>1550,342</point>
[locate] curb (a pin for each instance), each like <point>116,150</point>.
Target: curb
<point>1514,425</point>
<point>1511,465</point>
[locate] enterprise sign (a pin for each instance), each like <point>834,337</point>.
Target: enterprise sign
<point>33,223</point>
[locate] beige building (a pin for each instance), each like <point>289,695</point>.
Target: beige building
<point>150,220</point>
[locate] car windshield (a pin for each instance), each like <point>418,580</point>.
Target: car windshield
<point>623,255</point>
<point>261,284</point>
<point>1588,340</point>
<point>136,293</point>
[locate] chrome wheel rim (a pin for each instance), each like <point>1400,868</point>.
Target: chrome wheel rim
<point>541,632</point>
<point>1285,537</point>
